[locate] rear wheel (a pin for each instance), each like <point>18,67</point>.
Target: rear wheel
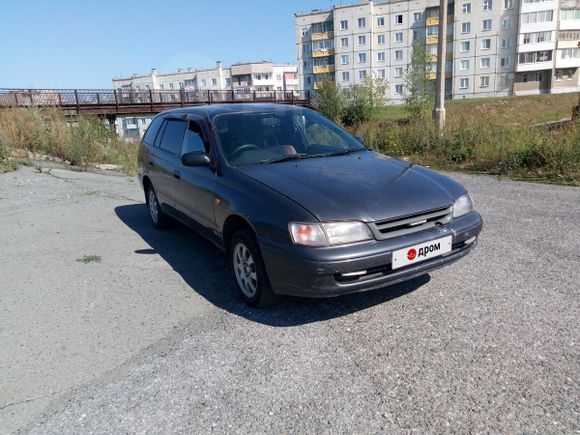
<point>249,271</point>
<point>158,218</point>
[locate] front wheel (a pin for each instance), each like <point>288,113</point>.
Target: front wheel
<point>249,270</point>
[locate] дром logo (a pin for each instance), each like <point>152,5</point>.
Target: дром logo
<point>411,254</point>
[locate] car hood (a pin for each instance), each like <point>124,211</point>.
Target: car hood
<point>364,186</point>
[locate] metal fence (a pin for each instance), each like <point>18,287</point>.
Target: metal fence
<point>93,98</point>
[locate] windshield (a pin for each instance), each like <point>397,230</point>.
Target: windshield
<point>278,135</point>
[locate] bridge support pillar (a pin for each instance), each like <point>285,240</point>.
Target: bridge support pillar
<point>111,118</point>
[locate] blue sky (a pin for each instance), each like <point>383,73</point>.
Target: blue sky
<point>84,43</point>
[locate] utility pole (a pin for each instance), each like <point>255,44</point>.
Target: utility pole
<point>439,112</point>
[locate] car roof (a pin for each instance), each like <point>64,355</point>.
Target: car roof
<point>213,110</point>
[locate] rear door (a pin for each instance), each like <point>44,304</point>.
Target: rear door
<point>164,160</point>
<point>196,188</point>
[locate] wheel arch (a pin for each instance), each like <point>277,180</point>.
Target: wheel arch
<point>232,225</point>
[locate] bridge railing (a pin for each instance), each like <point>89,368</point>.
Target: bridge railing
<point>81,98</point>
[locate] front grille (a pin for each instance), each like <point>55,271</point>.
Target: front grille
<point>388,229</point>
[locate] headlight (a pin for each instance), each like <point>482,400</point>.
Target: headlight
<point>329,233</point>
<point>462,206</point>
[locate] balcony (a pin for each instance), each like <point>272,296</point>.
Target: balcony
<point>323,53</point>
<point>433,39</point>
<point>317,85</point>
<point>323,69</point>
<point>322,35</point>
<point>433,75</point>
<point>432,21</point>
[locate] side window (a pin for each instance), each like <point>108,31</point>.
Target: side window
<point>193,139</point>
<point>172,135</point>
<point>151,133</point>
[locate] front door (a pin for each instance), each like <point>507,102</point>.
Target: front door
<point>196,186</point>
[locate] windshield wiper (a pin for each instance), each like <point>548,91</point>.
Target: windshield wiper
<point>283,158</point>
<point>337,153</point>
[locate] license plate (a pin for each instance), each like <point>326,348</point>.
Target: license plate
<point>421,252</point>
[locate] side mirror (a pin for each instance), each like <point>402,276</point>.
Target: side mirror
<point>196,158</point>
<point>360,139</point>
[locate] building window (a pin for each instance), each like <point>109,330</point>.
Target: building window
<point>432,30</point>
<point>570,53</point>
<point>362,74</point>
<point>466,8</point>
<point>399,19</point>
<point>381,73</point>
<point>304,31</point>
<point>345,76</point>
<point>344,59</point>
<point>487,5</point>
<point>362,22</point>
<point>463,83</point>
<point>398,54</point>
<point>415,35</point>
<point>486,44</point>
<point>506,23</point>
<point>362,58</point>
<point>504,62</point>
<point>228,81</point>
<point>506,43</point>
<point>486,25</point>
<point>278,77</point>
<point>381,39</point>
<point>466,27</point>
<point>508,4</point>
<point>398,72</point>
<point>524,78</point>
<point>464,64</point>
<point>381,56</point>
<point>343,25</point>
<point>484,62</point>
<point>465,45</point>
<point>171,84</point>
<point>538,37</point>
<point>417,16</point>
<point>503,80</point>
<point>344,42</point>
<point>539,17</point>
<point>398,36</point>
<point>362,40</point>
<point>380,21</point>
<point>536,56</point>
<point>214,82</point>
<point>162,86</point>
<point>398,89</point>
<point>484,81</point>
<point>569,14</point>
<point>539,77</point>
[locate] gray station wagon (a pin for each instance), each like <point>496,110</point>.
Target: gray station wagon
<point>300,206</point>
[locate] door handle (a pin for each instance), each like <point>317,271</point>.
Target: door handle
<point>176,174</point>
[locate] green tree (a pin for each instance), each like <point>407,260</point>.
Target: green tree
<point>363,100</point>
<point>328,99</point>
<point>419,90</point>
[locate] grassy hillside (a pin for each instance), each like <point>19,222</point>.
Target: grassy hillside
<point>529,109</point>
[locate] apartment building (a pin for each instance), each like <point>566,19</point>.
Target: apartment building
<point>494,47</point>
<point>241,77</point>
<point>259,76</point>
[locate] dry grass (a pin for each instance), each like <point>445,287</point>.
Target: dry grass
<point>82,142</point>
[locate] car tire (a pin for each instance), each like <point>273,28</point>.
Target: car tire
<point>158,218</point>
<point>249,272</point>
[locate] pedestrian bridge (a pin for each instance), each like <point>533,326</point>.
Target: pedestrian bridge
<point>125,102</point>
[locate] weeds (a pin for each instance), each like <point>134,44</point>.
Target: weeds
<point>84,142</point>
<point>86,259</point>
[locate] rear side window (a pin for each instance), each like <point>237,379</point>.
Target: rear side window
<point>172,135</point>
<point>193,139</point>
<point>151,133</point>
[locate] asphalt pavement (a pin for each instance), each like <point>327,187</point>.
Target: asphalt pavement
<point>110,326</point>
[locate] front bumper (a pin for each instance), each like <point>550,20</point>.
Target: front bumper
<point>319,272</point>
